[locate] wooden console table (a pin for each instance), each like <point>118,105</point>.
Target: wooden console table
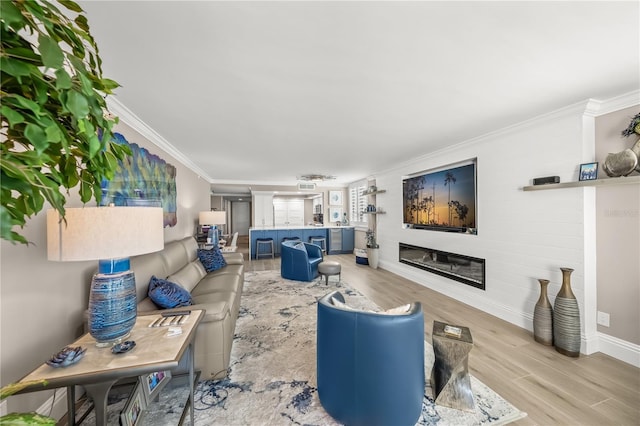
<point>99,369</point>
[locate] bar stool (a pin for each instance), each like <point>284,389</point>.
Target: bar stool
<point>291,239</point>
<point>268,243</point>
<point>320,241</point>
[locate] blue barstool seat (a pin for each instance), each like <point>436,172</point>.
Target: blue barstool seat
<point>320,241</point>
<point>291,239</point>
<point>268,244</point>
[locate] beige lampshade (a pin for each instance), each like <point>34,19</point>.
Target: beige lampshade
<point>215,217</point>
<point>94,233</point>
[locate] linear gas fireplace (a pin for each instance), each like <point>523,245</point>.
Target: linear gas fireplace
<point>466,269</point>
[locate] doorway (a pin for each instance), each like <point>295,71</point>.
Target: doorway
<point>240,217</point>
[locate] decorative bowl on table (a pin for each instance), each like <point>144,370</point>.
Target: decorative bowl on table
<point>66,357</point>
<point>123,347</point>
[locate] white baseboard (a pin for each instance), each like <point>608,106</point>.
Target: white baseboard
<point>479,301</point>
<point>619,349</point>
<point>599,342</point>
<point>59,401</point>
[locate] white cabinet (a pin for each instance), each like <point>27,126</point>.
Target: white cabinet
<point>262,209</point>
<point>288,212</point>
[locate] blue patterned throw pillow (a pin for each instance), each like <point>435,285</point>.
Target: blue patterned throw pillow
<point>167,295</point>
<point>212,260</point>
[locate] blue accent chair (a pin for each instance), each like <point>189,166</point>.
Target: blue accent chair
<point>299,261</point>
<point>370,366</point>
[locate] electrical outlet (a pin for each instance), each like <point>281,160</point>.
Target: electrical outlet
<point>603,319</point>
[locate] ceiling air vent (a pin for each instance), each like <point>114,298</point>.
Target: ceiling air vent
<point>306,186</point>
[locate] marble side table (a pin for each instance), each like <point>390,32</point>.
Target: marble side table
<point>450,375</point>
<point>100,369</point>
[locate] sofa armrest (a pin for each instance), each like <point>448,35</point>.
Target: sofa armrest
<point>233,258</point>
<point>214,311</point>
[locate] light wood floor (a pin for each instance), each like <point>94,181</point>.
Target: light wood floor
<point>551,388</point>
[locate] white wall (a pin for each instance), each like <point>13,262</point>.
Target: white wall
<point>42,302</point>
<point>522,235</point>
<point>618,235</point>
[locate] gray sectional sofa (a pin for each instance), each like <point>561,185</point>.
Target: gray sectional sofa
<point>217,292</point>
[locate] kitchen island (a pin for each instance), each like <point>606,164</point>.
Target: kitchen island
<point>339,239</point>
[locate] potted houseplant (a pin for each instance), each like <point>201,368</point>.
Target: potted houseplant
<point>52,110</point>
<point>372,249</point>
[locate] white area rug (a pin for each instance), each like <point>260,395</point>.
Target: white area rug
<point>272,376</point>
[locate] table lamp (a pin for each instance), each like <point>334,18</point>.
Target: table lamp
<point>109,235</point>
<point>213,218</point>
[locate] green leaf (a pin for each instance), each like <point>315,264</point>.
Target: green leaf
<point>36,136</point>
<point>94,145</point>
<point>19,100</point>
<point>71,5</point>
<point>86,85</point>
<point>14,117</point>
<point>70,172</point>
<point>112,162</point>
<point>41,91</point>
<point>50,51</point>
<point>82,22</point>
<point>53,132</point>
<point>109,84</point>
<point>11,15</point>
<point>63,79</point>
<point>85,186</point>
<point>37,12</point>
<point>14,67</point>
<point>78,65</point>
<point>97,190</point>
<point>21,53</point>
<point>77,104</point>
<point>5,224</point>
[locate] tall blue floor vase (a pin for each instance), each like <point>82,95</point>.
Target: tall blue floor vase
<point>566,318</point>
<point>112,302</point>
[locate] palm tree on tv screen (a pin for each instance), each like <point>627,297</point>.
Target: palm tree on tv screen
<point>449,178</point>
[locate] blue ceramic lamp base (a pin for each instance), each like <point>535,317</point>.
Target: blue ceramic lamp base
<point>112,302</point>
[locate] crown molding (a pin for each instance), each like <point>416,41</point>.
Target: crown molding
<point>587,107</point>
<point>617,103</point>
<point>128,117</point>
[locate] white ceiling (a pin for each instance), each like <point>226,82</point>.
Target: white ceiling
<point>263,92</point>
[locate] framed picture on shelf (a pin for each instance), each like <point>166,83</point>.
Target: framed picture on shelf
<point>588,171</point>
<point>134,409</point>
<point>152,384</point>
<point>335,198</point>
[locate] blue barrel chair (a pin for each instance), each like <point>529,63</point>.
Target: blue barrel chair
<point>370,366</point>
<point>299,260</point>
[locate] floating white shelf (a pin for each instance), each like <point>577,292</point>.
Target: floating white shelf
<point>628,180</point>
<point>380,191</point>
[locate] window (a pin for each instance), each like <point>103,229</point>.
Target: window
<point>358,203</point>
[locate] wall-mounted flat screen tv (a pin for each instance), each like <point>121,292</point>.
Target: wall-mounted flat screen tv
<point>441,200</point>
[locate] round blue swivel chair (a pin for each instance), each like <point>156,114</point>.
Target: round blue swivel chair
<point>370,366</point>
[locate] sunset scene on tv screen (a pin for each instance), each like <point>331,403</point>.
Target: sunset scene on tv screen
<point>445,198</point>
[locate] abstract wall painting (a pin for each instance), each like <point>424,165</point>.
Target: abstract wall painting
<point>144,179</point>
